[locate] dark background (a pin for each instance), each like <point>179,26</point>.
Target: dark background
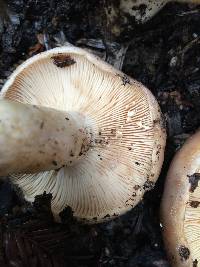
<point>164,54</point>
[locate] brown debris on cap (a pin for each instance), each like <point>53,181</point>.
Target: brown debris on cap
<point>180,209</point>
<point>112,175</point>
<point>62,61</point>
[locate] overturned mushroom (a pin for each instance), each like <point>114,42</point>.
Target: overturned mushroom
<point>180,207</point>
<point>72,125</point>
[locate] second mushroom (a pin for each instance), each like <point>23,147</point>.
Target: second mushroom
<point>180,206</point>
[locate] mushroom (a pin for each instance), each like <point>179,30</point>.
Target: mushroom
<point>120,15</point>
<point>75,127</point>
<point>180,207</point>
<point>144,10</point>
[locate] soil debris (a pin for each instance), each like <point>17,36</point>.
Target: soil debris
<point>194,180</point>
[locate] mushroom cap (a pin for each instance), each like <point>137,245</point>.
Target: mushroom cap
<point>129,137</point>
<point>180,206</point>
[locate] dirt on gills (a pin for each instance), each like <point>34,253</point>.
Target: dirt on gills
<point>163,54</point>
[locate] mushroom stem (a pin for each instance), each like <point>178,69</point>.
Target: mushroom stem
<point>35,138</point>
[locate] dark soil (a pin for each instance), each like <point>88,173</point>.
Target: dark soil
<point>164,54</point>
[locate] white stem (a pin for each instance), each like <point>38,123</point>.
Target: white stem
<point>34,138</point>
